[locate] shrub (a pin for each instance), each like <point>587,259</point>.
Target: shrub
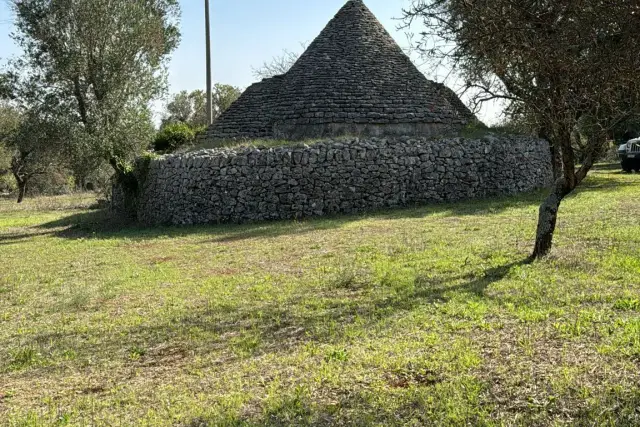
<point>7,184</point>
<point>174,136</point>
<point>55,182</point>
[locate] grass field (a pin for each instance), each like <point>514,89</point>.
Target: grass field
<point>422,316</point>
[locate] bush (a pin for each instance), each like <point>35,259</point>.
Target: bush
<point>7,184</point>
<point>174,136</point>
<point>54,183</point>
<point>611,155</point>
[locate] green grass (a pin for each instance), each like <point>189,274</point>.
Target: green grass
<point>260,143</point>
<point>275,143</point>
<point>472,131</point>
<point>421,316</point>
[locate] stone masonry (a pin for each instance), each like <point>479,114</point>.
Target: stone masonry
<point>336,176</point>
<point>352,80</point>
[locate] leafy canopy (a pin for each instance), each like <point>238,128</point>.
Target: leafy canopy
<point>553,61</point>
<point>98,62</point>
<point>190,107</point>
<point>31,144</point>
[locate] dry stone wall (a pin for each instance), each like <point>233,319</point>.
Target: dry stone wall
<point>345,176</point>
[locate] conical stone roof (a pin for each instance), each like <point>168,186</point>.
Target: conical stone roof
<point>352,79</point>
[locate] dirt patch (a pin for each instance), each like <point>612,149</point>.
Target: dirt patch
<point>406,378</point>
<point>161,260</point>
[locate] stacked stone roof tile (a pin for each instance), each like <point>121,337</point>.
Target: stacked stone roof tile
<point>353,78</point>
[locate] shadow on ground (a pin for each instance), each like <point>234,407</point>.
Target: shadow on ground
<point>278,330</point>
<point>99,224</point>
<point>277,325</point>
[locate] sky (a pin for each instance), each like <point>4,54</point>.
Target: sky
<point>246,33</point>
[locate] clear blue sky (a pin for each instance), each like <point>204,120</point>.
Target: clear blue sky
<point>245,34</point>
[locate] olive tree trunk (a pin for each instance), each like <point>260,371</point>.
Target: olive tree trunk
<point>22,190</point>
<point>568,181</point>
<point>556,159</point>
<point>548,217</point>
<point>20,177</point>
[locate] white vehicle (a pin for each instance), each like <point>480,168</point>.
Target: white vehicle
<point>629,154</point>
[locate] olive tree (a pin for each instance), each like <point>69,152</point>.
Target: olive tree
<point>5,86</point>
<point>9,123</point>
<point>190,107</point>
<point>32,142</point>
<point>100,63</point>
<point>566,65</point>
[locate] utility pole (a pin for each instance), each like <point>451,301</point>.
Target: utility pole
<point>209,85</point>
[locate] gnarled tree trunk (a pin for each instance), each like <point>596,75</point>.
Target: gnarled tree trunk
<point>548,217</point>
<point>21,181</point>
<point>556,155</point>
<point>22,189</point>
<point>569,180</point>
<point>556,159</point>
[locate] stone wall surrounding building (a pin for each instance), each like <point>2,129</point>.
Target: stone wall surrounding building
<point>338,176</point>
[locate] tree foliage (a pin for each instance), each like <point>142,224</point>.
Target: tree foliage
<point>626,130</point>
<point>98,63</point>
<point>190,107</point>
<point>6,88</point>
<point>566,66</point>
<point>223,96</point>
<point>32,144</point>
<point>174,136</point>
<point>9,124</point>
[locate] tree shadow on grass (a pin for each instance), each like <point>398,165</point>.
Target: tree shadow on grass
<point>277,326</point>
<point>100,224</point>
<point>616,168</point>
<point>279,329</point>
<point>103,225</point>
<point>13,238</point>
<point>597,182</point>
